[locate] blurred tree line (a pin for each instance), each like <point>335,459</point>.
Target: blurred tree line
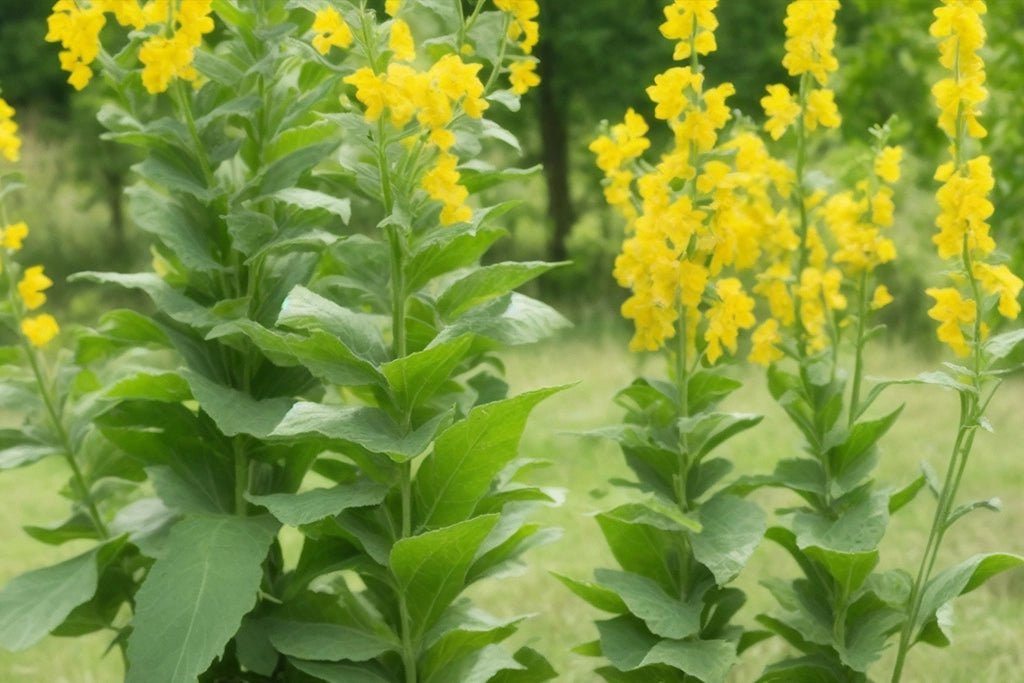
<point>597,57</point>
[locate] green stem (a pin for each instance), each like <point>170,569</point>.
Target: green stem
<point>799,195</point>
<point>181,100</point>
<point>858,358</point>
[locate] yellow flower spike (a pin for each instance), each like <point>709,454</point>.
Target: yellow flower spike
<point>13,235</point>
<point>811,35</point>
<point>331,30</point>
<point>31,287</point>
<point>680,18</point>
<point>523,76</point>
<point>669,91</point>
<point>40,329</point>
<point>951,310</point>
<point>1000,280</point>
<point>76,26</point>
<point>10,142</point>
<point>732,312</point>
<point>391,7</point>
<point>442,184</point>
<point>821,109</point>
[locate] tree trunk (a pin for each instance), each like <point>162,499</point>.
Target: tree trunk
<point>554,132</point>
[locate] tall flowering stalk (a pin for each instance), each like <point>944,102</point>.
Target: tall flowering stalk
<point>692,229</point>
<point>981,291</point>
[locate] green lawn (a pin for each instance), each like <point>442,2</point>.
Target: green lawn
<point>988,629</point>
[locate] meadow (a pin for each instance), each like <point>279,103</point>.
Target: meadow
<point>594,359</point>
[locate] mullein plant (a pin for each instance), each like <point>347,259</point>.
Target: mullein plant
<point>297,373</point>
<point>841,612</point>
<point>691,231</point>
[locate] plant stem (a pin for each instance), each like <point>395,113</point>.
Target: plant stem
<point>858,357</point>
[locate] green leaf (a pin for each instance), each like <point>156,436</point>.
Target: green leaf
<point>286,171</point>
<point>371,428</point>
<point>731,529</point>
<point>906,494</point>
<point>442,251</point>
<point>296,509</point>
<point>165,386</point>
<point>168,300</point>
<point>992,504</point>
<point>664,615</point>
<point>468,455</point>
<point>360,333</point>
<point>1002,345</point>
<point>706,431</point>
<point>859,444</point>
<point>641,548</point>
<point>431,567</point>
<point>961,579</point>
<point>477,666</point>
<point>194,597</point>
<point>600,597</point>
<point>333,672</point>
<point>327,641</point>
<point>36,602</point>
<point>625,641</point>
<point>416,377</point>
<point>237,412</point>
<point>486,283</point>
<point>706,660</point>
<point>171,223</point>
<point>311,200</point>
<point>79,525</point>
<point>249,230</point>
<point>510,320</point>
<point>536,669</point>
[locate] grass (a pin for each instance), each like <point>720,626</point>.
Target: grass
<point>988,627</point>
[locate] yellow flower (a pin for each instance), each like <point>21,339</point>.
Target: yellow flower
<point>523,27</point>
<point>523,76</point>
<point>964,208</point>
<point>332,31</point>
<point>10,143</point>
<point>781,108</point>
<point>1000,280</point>
<point>76,26</point>
<point>669,91</point>
<point>13,235</point>
<point>887,163</point>
<point>952,310</point>
<point>400,41</point>
<point>811,35</point>
<point>765,342</point>
<point>880,298</point>
<point>732,312</point>
<point>391,7</point>
<point>40,329</point>
<point>442,184</point>
<point>369,91</point>
<point>164,58</point>
<point>31,287</point>
<point>692,23</point>
<point>821,108</point>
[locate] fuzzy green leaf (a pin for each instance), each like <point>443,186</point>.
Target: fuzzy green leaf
<point>296,509</point>
<point>731,529</point>
<point>416,377</point>
<point>194,597</point>
<point>468,455</point>
<point>334,672</point>
<point>168,300</point>
<point>371,428</point>
<point>436,253</point>
<point>600,597</point>
<point>312,200</point>
<point>360,333</point>
<point>509,320</point>
<point>167,220</point>
<point>705,660</point>
<point>327,641</point>
<point>485,283</point>
<point>237,412</point>
<point>960,579</point>
<point>36,602</point>
<point>663,614</point>
<point>431,567</point>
